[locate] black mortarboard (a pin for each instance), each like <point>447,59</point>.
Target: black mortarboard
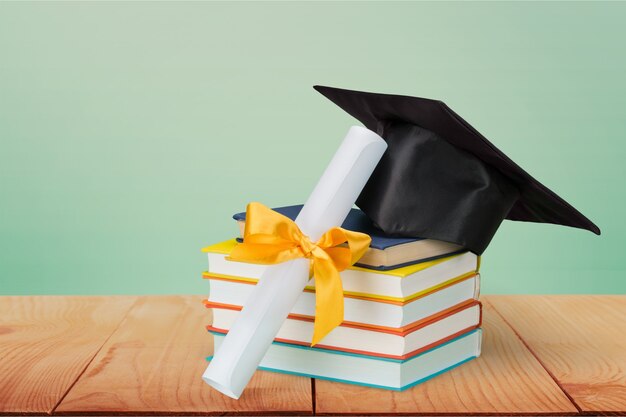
<point>440,178</point>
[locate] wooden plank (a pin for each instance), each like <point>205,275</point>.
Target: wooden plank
<point>505,379</point>
<point>154,362</point>
<point>581,340</point>
<point>45,344</point>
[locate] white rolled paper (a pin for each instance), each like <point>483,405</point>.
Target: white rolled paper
<point>279,287</point>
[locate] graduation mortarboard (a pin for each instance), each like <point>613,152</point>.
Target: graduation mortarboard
<point>441,179</point>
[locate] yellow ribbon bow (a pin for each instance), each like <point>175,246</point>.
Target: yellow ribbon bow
<point>271,238</point>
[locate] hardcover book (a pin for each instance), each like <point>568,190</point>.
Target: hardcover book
<point>375,341</point>
<point>372,371</point>
<point>386,252</point>
<point>401,284</point>
<point>361,310</point>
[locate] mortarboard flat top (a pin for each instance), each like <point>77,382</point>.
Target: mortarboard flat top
<point>441,179</point>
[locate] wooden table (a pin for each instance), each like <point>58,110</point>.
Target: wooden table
<point>556,355</point>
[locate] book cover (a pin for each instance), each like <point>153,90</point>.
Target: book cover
<point>359,222</point>
<point>394,343</point>
<point>364,310</point>
<point>366,370</point>
<point>400,284</point>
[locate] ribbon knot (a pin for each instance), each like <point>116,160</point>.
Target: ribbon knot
<point>306,245</point>
<point>271,238</point>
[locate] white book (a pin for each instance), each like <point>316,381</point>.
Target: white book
<point>398,344</point>
<point>364,311</point>
<point>401,284</point>
<point>369,370</point>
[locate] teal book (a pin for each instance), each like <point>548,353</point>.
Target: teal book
<point>371,371</point>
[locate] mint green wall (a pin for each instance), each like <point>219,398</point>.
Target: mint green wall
<point>129,133</point>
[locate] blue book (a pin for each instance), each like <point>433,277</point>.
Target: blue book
<point>386,252</point>
<point>371,371</point>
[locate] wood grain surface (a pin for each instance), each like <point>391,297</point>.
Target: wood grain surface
<point>542,355</point>
<point>154,362</point>
<point>581,340</point>
<point>47,342</point>
<point>505,379</point>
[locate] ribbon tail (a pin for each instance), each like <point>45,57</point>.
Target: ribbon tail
<point>328,298</point>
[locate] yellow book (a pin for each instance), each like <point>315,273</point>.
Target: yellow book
<point>398,285</point>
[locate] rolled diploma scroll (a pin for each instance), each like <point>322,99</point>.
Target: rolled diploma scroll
<point>280,286</point>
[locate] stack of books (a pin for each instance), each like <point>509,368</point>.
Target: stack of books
<point>411,311</point>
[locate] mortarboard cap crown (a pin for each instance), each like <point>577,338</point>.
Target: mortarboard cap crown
<point>441,179</point>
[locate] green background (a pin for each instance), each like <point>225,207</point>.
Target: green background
<point>131,132</point>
